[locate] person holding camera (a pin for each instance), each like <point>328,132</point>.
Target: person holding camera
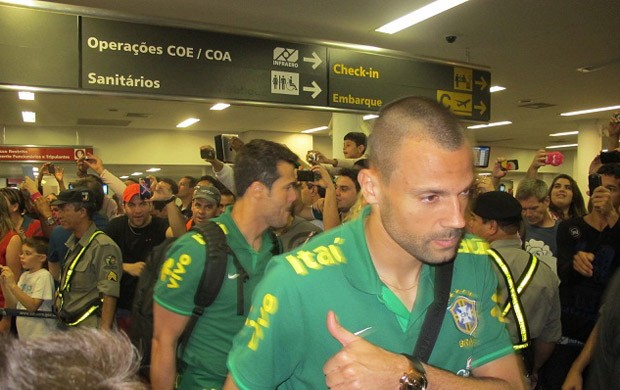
<point>353,149</point>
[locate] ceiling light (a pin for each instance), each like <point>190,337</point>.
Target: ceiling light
<point>24,95</point>
<point>123,177</point>
<point>314,130</point>
<point>136,174</point>
<point>29,116</point>
<point>219,106</point>
<point>496,88</point>
<point>369,117</point>
<point>153,170</point>
<point>564,133</point>
<point>560,146</point>
<point>188,122</point>
<point>493,124</point>
<point>420,15</point>
<point>583,112</point>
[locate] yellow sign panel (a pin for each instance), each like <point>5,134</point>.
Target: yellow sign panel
<point>459,103</point>
<point>463,78</point>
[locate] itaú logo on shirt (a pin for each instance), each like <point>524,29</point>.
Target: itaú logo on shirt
<point>268,308</point>
<point>172,272</point>
<point>318,257</point>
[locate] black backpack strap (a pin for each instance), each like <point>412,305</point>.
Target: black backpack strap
<point>436,312</point>
<point>212,277</point>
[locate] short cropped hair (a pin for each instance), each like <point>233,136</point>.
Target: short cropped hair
<point>85,358</point>
<point>357,137</point>
<point>411,117</point>
<point>611,169</point>
<point>174,187</point>
<point>257,161</point>
<point>351,173</point>
<point>532,188</point>
<point>39,244</point>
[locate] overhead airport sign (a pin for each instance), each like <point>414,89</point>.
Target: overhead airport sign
<point>366,81</point>
<point>31,153</point>
<point>129,57</point>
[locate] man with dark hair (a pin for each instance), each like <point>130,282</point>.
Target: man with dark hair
<point>347,189</point>
<point>265,177</point>
<point>340,311</point>
<point>186,189</point>
<point>588,256</point>
<point>534,324</point>
<point>227,198</point>
<point>90,282</point>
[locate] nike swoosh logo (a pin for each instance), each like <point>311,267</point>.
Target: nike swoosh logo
<point>233,276</point>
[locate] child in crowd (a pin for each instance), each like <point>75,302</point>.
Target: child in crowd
<point>34,290</point>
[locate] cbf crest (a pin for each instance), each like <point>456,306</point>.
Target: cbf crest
<point>464,314</point>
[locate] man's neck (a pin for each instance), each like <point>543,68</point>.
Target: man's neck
<point>82,227</point>
<point>187,200</point>
<point>598,221</point>
<point>249,222</point>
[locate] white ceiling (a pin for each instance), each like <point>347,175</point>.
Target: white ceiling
<point>531,47</point>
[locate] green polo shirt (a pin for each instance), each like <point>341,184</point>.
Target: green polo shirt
<point>285,340</point>
<point>205,354</point>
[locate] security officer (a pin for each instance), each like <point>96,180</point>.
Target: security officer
<point>89,286</point>
<point>528,288</point>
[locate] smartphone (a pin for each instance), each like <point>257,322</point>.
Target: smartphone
<point>146,182</point>
<point>51,169</point>
<point>207,154</point>
<point>509,165</point>
<point>610,157</point>
<point>305,175</point>
<point>594,181</point>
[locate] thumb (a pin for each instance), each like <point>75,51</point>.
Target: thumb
<point>341,334</point>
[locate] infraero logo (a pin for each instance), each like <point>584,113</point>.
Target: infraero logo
<point>285,57</point>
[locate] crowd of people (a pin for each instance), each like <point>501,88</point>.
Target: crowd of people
<point>338,272</point>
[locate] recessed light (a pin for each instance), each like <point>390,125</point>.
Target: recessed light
<point>136,174</point>
<point>564,133</point>
<point>315,129</point>
<point>25,95</point>
<point>590,111</point>
<point>219,107</point>
<point>123,177</point>
<point>29,116</point>
<point>560,146</point>
<point>419,15</point>
<point>492,124</point>
<point>496,88</point>
<point>188,122</point>
<point>153,170</point>
<point>369,117</point>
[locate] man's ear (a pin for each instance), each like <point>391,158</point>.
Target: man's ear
<point>362,149</point>
<point>257,190</point>
<point>370,185</point>
<point>492,227</point>
<point>547,200</point>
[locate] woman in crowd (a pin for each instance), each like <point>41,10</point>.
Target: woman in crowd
<point>566,198</point>
<point>25,225</point>
<point>10,249</point>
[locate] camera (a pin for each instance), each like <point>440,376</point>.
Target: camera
<point>304,175</point>
<point>207,154</point>
<point>610,157</point>
<point>312,157</point>
<point>51,169</point>
<point>451,38</point>
<point>594,181</point>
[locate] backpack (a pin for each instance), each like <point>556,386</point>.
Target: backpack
<point>141,331</point>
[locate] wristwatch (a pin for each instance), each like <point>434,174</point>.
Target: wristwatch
<point>50,221</point>
<point>415,377</point>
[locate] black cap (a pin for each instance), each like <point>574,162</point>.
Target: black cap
<point>497,205</point>
<point>74,195</point>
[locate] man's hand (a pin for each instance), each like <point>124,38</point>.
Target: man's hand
<point>93,162</point>
<point>539,159</point>
<point>360,364</point>
<point>30,186</point>
<point>573,381</point>
<point>236,144</point>
<point>326,179</point>
<point>161,193</point>
<point>498,172</point>
<point>134,269</point>
<point>582,263</point>
<point>321,159</point>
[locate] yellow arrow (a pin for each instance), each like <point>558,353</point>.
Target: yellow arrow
<point>482,107</point>
<point>482,83</point>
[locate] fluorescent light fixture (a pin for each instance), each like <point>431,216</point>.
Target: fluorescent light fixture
<point>123,177</point>
<point>219,106</point>
<point>560,146</point>
<point>188,122</point>
<point>484,174</point>
<point>136,174</point>
<point>24,95</point>
<point>496,88</point>
<point>493,124</point>
<point>583,112</point>
<point>420,15</point>
<point>369,117</point>
<point>29,116</point>
<point>153,170</point>
<point>564,133</point>
<point>314,130</point>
